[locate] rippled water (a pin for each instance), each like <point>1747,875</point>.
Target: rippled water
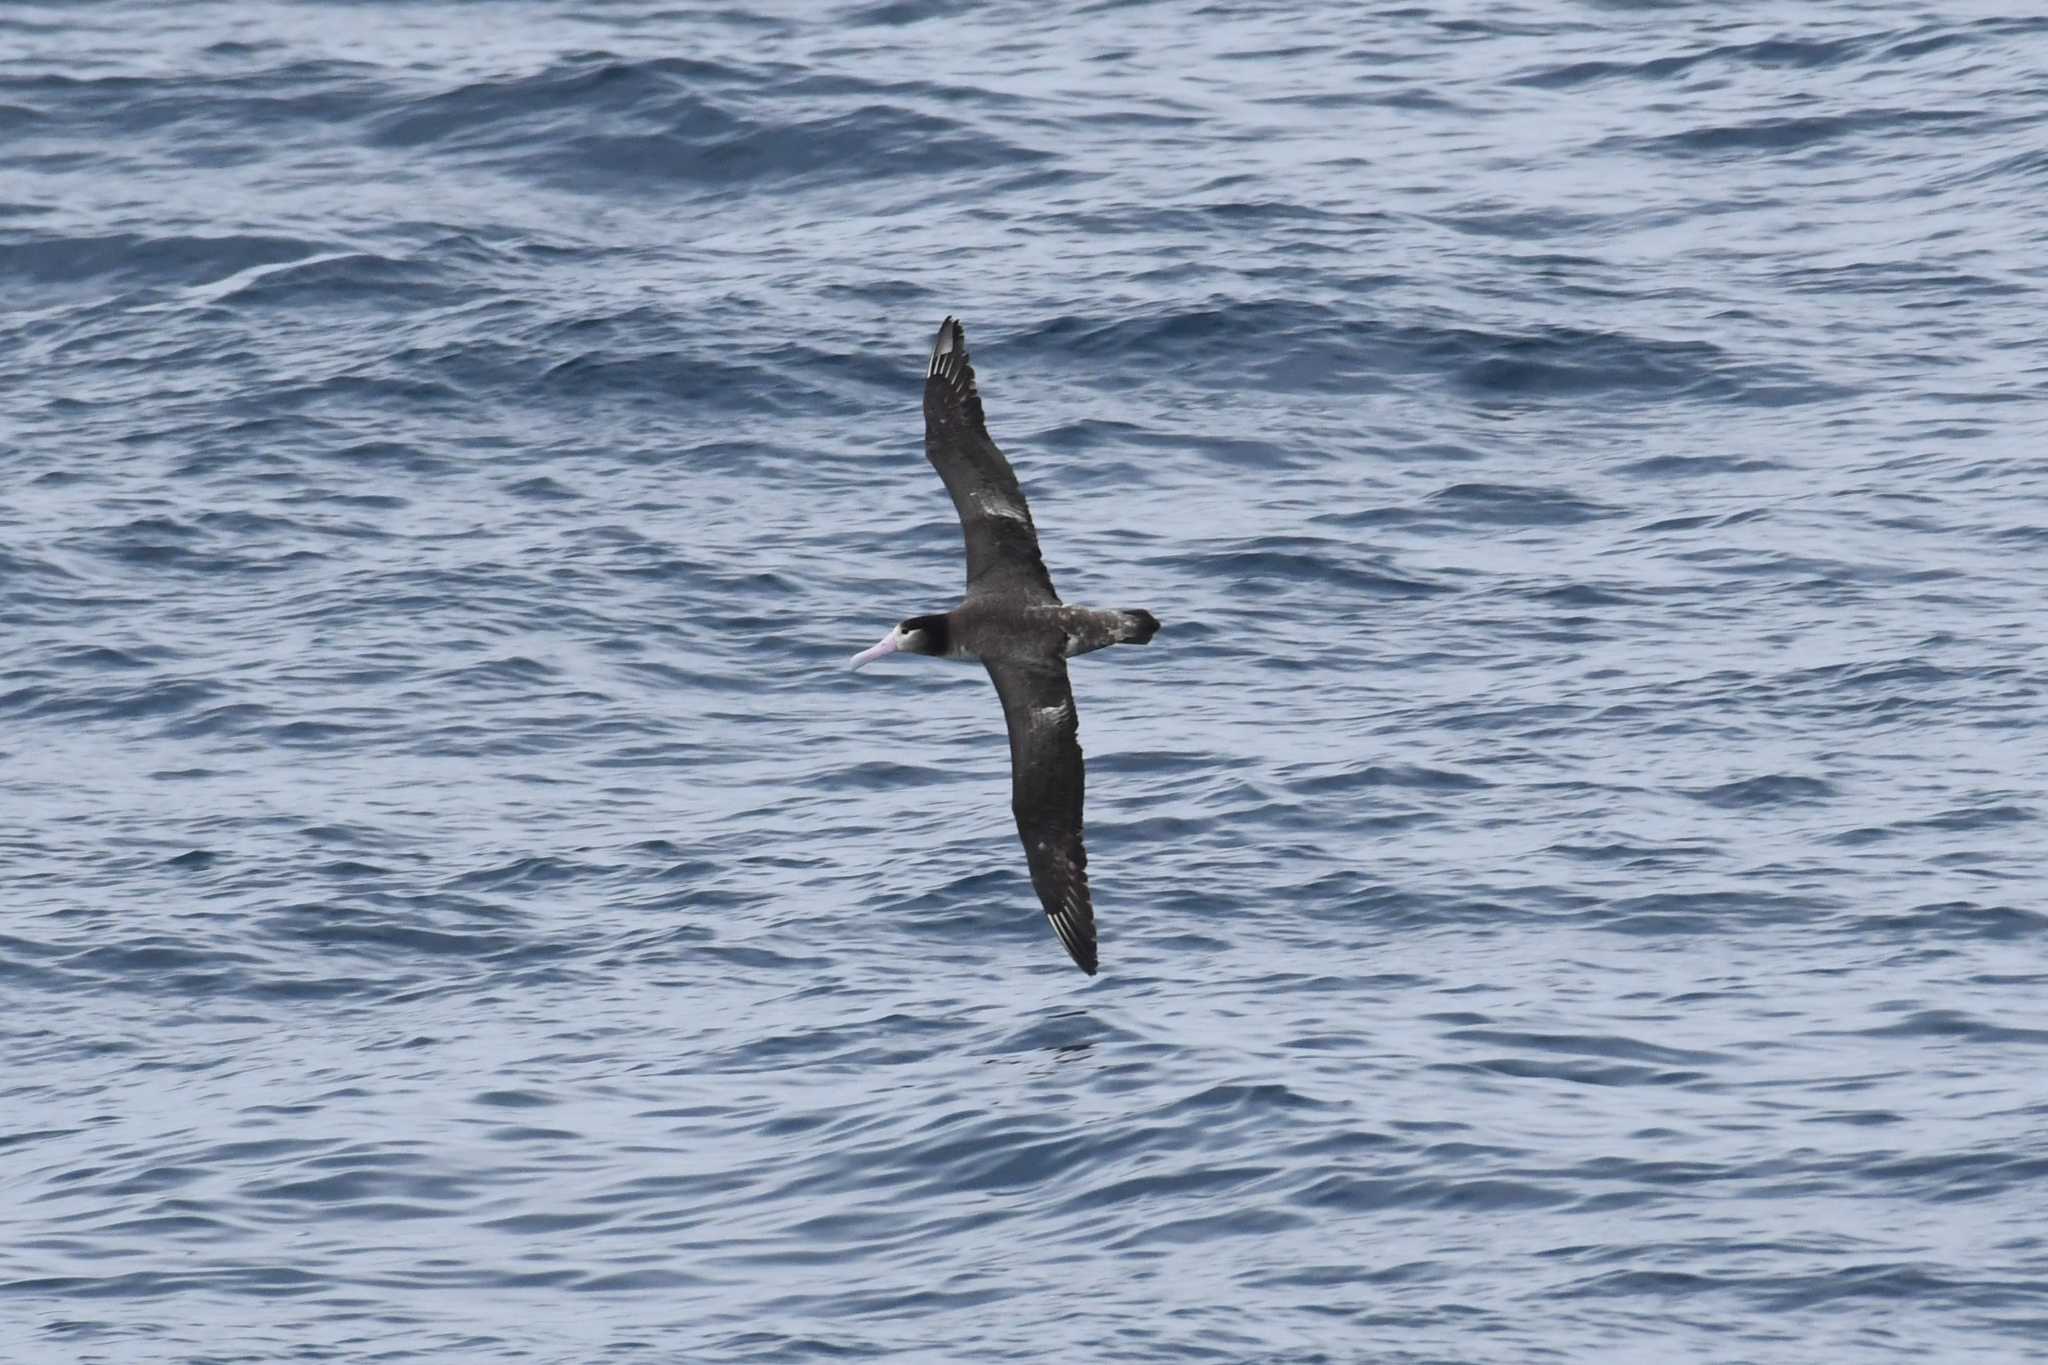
<point>1570,871</point>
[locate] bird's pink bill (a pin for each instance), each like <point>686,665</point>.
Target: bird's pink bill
<point>886,645</point>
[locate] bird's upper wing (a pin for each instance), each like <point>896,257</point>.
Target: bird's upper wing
<point>1002,542</point>
<point>1046,780</point>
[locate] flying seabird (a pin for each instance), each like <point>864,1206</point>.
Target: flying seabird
<point>1013,621</point>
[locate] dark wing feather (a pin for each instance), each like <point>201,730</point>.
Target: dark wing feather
<point>1002,542</point>
<point>1046,780</point>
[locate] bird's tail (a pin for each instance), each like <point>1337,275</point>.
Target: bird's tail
<point>1135,627</point>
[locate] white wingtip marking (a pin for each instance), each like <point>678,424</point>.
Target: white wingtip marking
<point>1065,930</point>
<point>944,346</point>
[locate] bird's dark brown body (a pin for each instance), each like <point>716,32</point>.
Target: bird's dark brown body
<point>990,628</point>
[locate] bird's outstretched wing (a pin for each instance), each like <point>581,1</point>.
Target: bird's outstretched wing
<point>1046,778</point>
<point>1002,542</point>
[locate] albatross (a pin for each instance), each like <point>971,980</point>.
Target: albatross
<point>1013,621</point>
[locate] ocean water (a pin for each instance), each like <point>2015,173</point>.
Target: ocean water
<point>1571,870</point>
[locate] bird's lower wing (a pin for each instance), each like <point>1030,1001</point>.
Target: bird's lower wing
<point>1047,778</point>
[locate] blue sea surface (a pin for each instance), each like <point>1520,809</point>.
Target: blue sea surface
<point>1572,870</point>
